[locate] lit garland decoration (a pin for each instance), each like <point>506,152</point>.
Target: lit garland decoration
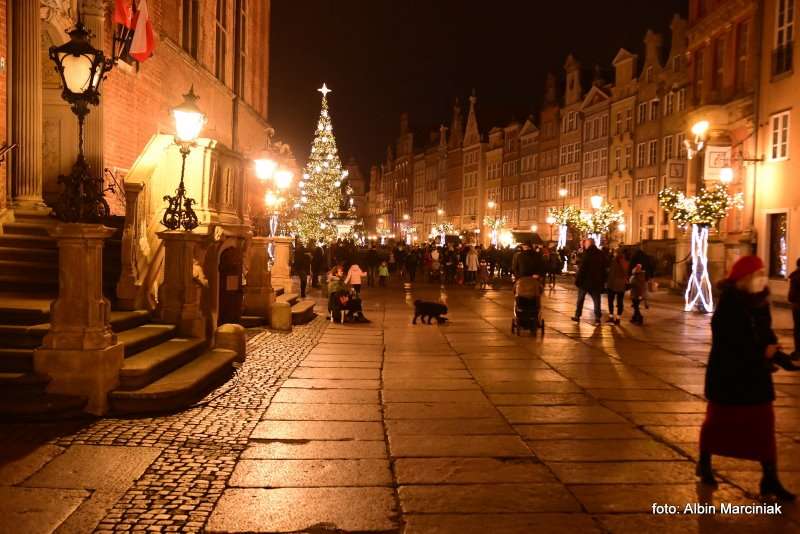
<point>565,217</point>
<point>495,225</point>
<point>701,212</point>
<point>323,191</point>
<point>383,234</point>
<point>442,230</point>
<point>598,223</point>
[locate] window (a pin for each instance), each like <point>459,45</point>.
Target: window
<point>618,123</point>
<point>587,164</point>
<point>220,39</point>
<point>641,116</point>
<point>652,152</point>
<point>779,138</point>
<point>654,109</point>
<point>628,156</point>
<point>617,158</point>
<point>742,59</point>
<point>640,153</point>
<point>628,119</point>
<point>682,99</point>
<point>719,64</point>
<point>699,74</point>
<point>778,246</point>
<point>564,154</point>
<point>680,142</point>
<point>640,187</point>
<point>604,162</point>
<point>651,185</point>
<point>190,30</point>
<point>668,148</point>
<point>604,126</point>
<point>676,64</point>
<point>669,105</point>
<point>784,37</point>
<point>241,34</point>
<point>627,189</point>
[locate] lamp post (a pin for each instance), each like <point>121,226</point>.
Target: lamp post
<point>270,168</point>
<point>189,121</point>
<point>82,69</point>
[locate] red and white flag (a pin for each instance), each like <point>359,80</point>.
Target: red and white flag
<point>143,40</point>
<point>123,13</point>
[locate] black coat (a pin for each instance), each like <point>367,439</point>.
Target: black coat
<point>741,329</point>
<point>591,274</point>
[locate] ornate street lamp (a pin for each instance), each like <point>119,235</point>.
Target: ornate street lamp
<point>189,121</point>
<point>82,68</point>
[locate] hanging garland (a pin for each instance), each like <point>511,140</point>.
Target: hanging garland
<point>600,221</point>
<point>706,209</point>
<point>566,216</point>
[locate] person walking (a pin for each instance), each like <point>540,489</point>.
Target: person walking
<point>590,279</point>
<point>372,266</point>
<point>412,259</point>
<point>794,300</point>
<point>616,283</point>
<point>740,420</point>
<point>472,265</point>
<point>302,267</point>
<point>383,274</point>
<point>354,276</point>
<point>317,265</point>
<point>638,283</point>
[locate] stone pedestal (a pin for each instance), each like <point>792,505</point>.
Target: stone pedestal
<point>259,295</point>
<point>281,271</point>
<point>180,294</point>
<point>81,354</point>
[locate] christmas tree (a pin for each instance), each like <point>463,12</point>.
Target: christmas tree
<point>323,194</point>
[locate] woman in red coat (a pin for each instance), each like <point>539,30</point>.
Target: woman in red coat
<point>740,421</point>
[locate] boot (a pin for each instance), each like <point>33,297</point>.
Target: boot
<point>704,470</point>
<point>771,486</point>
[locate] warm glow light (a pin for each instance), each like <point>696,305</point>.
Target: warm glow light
<point>265,168</point>
<point>440,212</point>
<point>272,200</point>
<point>597,201</point>
<point>491,204</point>
<point>283,178</point>
<point>534,228</point>
<point>700,128</point>
<point>406,217</point>
<point>188,125</point>
<point>380,220</point>
<point>562,192</point>
<point>621,227</point>
<point>726,175</point>
<point>550,219</point>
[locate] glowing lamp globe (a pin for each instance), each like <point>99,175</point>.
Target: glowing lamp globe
<point>726,175</point>
<point>562,192</point>
<point>440,211</point>
<point>621,227</point>
<point>283,178</point>
<point>406,217</point>
<point>700,128</point>
<point>270,199</point>
<point>534,228</point>
<point>265,168</point>
<point>597,201</point>
<point>491,204</point>
<point>189,120</point>
<point>80,65</point>
<point>550,219</point>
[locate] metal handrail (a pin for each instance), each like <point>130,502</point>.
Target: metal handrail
<point>5,149</point>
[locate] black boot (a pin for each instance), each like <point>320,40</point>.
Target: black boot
<point>704,470</point>
<point>771,486</point>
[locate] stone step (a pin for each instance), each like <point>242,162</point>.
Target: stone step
<point>149,365</point>
<point>28,227</point>
<point>126,320</point>
<point>13,314</point>
<point>29,254</point>
<point>25,382</point>
<point>27,241</point>
<point>30,283</point>
<point>252,321</point>
<point>279,291</point>
<point>303,312</point>
<point>179,388</point>
<point>145,336</point>
<point>33,407</point>
<point>16,360</point>
<point>22,336</point>
<point>290,298</point>
<point>43,269</point>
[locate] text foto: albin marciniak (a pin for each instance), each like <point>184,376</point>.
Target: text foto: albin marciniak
<point>725,508</point>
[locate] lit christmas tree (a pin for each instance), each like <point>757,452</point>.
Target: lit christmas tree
<point>323,194</point>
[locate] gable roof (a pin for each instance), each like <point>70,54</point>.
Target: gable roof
<point>594,96</point>
<point>622,55</point>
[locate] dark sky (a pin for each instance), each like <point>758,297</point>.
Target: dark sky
<point>382,57</point>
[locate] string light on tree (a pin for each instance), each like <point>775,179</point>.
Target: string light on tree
<point>701,212</point>
<point>324,189</point>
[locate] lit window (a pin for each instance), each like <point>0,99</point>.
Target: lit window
<point>779,137</point>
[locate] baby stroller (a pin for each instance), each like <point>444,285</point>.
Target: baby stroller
<point>527,315</point>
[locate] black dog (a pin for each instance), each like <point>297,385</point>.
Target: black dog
<point>431,310</point>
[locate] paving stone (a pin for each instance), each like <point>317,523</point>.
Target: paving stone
<point>312,372</point>
<point>307,430</point>
<point>299,509</point>
<point>21,460</point>
<point>323,383</point>
<point>560,414</point>
<point>310,473</point>
<point>657,407</point>
<point>580,431</point>
<point>469,471</point>
<point>317,364</point>
<point>442,384</point>
<point>673,434</point>
<point>487,498</point>
<point>448,410</point>
<point>448,427</point>
<point>540,399</point>
<point>405,395</point>
<point>602,450</point>
<point>624,472</point>
<point>432,446</point>
<point>322,412</point>
<point>639,498</point>
<point>331,396</point>
<point>423,372</point>
<point>95,467</point>
<point>90,513</point>
<point>543,523</point>
<point>313,450</point>
<point>530,386</point>
<point>641,394</point>
<point>36,510</point>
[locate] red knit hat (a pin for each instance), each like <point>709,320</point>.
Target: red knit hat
<point>744,266</point>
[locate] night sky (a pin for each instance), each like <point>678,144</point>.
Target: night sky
<point>382,57</point>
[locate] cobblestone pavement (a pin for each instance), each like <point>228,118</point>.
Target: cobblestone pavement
<point>391,427</point>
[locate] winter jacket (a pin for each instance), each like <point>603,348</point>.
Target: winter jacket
<point>472,261</point>
<point>591,274</point>
<point>302,261</point>
<point>794,289</point>
<point>354,275</point>
<point>617,280</point>
<point>738,372</point>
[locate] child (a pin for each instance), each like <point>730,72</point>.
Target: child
<point>638,283</point>
<point>383,274</point>
<point>460,273</point>
<point>483,275</point>
<point>354,275</point>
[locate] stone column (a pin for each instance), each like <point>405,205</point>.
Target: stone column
<point>92,14</point>
<point>128,288</point>
<point>281,271</point>
<point>80,353</point>
<point>26,105</point>
<point>259,295</point>
<point>179,296</point>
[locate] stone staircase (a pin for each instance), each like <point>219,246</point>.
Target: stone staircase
<point>302,310</point>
